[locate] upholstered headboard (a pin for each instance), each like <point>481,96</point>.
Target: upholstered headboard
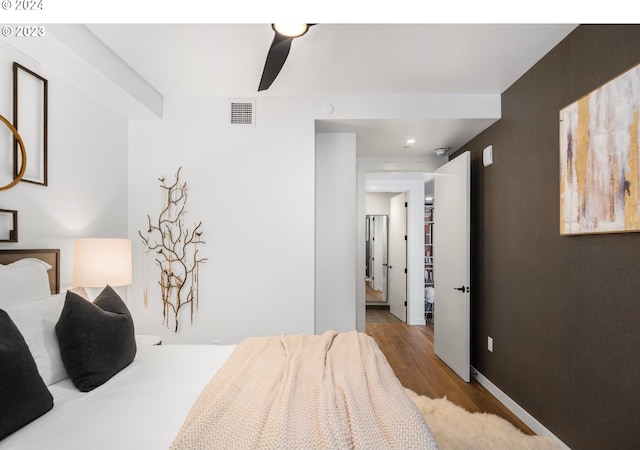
<point>50,256</point>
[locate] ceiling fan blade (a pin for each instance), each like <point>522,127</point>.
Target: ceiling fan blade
<point>276,57</point>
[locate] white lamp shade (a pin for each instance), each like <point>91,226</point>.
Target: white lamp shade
<point>99,262</point>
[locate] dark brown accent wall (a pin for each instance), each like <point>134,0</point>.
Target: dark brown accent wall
<point>564,312</point>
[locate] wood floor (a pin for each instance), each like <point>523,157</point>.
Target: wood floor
<point>380,314</point>
<point>371,295</point>
<point>409,350</point>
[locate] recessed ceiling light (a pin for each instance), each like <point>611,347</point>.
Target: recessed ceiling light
<point>411,141</point>
<point>406,147</point>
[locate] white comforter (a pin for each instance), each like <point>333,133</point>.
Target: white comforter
<point>142,407</point>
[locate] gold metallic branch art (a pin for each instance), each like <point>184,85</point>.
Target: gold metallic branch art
<point>176,252</point>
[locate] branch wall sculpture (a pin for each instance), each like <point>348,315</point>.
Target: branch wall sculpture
<point>176,252</point>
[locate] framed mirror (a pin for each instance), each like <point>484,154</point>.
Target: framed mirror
<point>376,258</point>
<point>30,119</point>
<point>8,225</point>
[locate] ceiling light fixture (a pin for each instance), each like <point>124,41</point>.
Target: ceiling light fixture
<point>292,30</point>
<point>441,151</point>
<point>411,141</point>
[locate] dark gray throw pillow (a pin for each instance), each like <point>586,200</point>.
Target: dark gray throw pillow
<point>97,340</point>
<point>23,395</point>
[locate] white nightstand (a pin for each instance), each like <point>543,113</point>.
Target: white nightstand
<point>147,339</point>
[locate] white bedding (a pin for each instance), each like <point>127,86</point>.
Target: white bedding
<point>142,407</point>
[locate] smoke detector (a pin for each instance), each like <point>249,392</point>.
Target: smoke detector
<point>441,151</point>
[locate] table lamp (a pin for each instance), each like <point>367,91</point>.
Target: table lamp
<point>99,262</point>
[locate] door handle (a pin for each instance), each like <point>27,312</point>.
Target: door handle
<point>463,289</point>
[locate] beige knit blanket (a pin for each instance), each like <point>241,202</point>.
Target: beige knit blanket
<point>333,391</point>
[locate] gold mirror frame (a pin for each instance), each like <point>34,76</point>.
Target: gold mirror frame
<point>23,152</point>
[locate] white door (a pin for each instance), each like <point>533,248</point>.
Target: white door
<point>452,273</point>
<point>398,257</point>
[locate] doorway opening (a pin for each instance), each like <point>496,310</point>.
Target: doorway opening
<point>386,280</point>
<point>390,183</point>
<point>377,269</point>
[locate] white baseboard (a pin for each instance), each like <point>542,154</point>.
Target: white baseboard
<point>523,415</point>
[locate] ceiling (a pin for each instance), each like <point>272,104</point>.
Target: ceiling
<point>342,59</point>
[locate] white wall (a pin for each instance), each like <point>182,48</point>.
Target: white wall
<point>378,203</point>
<point>253,189</point>
<point>87,191</point>
<point>335,287</point>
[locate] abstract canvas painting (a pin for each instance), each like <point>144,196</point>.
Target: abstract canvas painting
<point>599,163</point>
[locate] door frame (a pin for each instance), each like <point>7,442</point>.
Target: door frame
<point>411,182</point>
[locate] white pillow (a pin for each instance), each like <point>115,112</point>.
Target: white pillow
<point>36,321</point>
<point>23,281</point>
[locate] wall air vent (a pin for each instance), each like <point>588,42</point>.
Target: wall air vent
<point>242,112</point>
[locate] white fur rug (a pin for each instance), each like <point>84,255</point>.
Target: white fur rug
<point>458,429</point>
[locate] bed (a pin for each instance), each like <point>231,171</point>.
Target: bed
<point>334,390</point>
